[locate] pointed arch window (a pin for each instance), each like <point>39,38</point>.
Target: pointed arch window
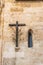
<point>30,38</point>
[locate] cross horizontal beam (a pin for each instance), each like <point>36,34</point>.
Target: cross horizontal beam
<point>18,25</point>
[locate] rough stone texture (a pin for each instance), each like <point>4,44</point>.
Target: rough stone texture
<point>31,14</point>
<point>8,61</point>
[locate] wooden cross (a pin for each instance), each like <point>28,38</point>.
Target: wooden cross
<point>17,25</point>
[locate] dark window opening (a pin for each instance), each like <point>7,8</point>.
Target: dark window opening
<point>30,38</point>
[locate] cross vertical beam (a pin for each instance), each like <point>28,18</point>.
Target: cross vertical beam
<point>16,34</point>
<point>17,25</point>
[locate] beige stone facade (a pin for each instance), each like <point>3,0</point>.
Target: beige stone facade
<point>30,13</point>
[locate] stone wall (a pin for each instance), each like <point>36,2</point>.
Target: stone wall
<point>30,13</point>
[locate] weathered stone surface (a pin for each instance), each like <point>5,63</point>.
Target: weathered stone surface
<point>8,61</point>
<point>30,13</point>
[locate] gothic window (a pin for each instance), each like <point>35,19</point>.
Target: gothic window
<point>30,38</point>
